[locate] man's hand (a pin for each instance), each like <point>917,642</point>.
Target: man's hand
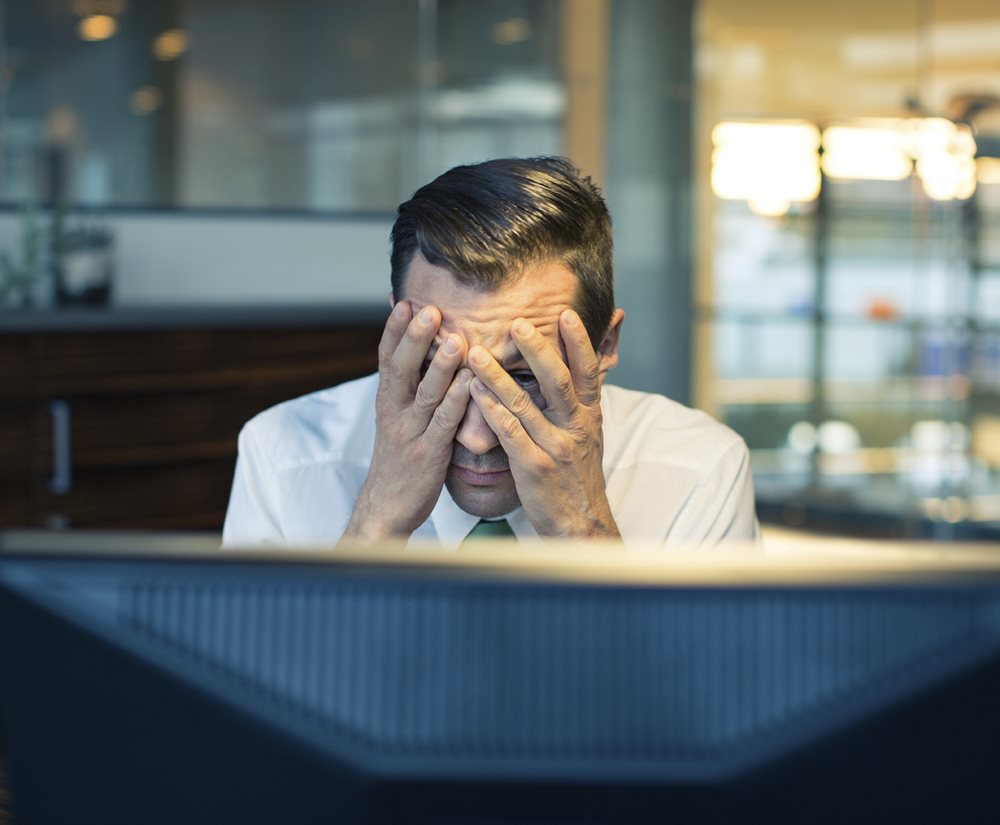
<point>416,419</point>
<point>555,454</point>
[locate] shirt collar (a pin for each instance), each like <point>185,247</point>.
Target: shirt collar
<point>449,524</point>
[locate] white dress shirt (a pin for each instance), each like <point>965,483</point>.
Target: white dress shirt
<point>673,474</point>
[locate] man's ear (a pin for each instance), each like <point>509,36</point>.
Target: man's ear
<point>607,352</point>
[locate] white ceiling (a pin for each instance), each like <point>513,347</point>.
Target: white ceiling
<point>852,58</point>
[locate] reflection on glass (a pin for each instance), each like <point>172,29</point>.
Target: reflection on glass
<point>218,103</point>
<point>892,271</point>
<point>769,165</point>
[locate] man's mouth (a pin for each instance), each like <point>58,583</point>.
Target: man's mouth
<point>478,478</point>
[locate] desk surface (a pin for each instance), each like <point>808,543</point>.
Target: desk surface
<point>106,319</point>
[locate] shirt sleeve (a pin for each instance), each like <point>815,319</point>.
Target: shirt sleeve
<point>253,516</point>
<point>721,507</point>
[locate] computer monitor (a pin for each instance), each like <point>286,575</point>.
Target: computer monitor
<point>150,680</point>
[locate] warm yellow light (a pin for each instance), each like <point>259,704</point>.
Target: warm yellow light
<point>170,45</point>
<point>942,152</point>
<point>509,32</point>
<point>97,27</point>
<point>146,100</point>
<point>62,125</point>
<point>768,164</point>
<point>988,170</point>
<point>947,177</point>
<point>935,134</point>
<point>945,153</point>
<point>867,152</point>
<point>772,208</point>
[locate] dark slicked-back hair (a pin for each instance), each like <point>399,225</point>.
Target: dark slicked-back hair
<point>489,222</point>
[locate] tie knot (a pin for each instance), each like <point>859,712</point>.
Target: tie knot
<point>491,529</point>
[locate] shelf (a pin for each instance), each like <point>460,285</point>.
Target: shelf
<point>767,316</point>
<point>751,391</point>
<point>876,504</point>
<point>192,316</point>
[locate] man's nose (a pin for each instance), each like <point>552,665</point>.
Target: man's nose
<point>474,433</point>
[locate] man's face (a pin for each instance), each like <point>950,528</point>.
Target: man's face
<point>479,478</point>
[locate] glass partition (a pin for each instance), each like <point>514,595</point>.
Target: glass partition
<point>266,105</point>
<point>849,271</point>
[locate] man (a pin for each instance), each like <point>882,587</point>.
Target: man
<point>490,407</point>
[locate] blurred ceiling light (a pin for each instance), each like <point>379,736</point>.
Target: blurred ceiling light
<point>838,437</point>
<point>85,8</point>
<point>170,45</point>
<point>988,170</point>
<point>97,27</point>
<point>768,164</point>
<point>61,125</point>
<point>935,134</point>
<point>886,149</point>
<point>947,177</point>
<point>945,154</point>
<point>146,100</point>
<point>509,32</point>
<point>802,437</point>
<point>875,152</point>
<point>769,207</point>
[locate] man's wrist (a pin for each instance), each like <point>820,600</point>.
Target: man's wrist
<point>601,526</point>
<point>367,525</point>
<point>597,522</point>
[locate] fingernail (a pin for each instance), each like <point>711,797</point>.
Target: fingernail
<point>450,347</point>
<point>399,311</point>
<point>426,318</point>
<point>475,385</point>
<point>478,357</point>
<point>522,328</point>
<point>571,318</point>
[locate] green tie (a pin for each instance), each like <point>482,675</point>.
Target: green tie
<point>491,530</point>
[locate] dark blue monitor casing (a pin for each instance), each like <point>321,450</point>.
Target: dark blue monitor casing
<point>212,688</point>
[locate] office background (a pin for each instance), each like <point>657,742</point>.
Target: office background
<point>806,203</point>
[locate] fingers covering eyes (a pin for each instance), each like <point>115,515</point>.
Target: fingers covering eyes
<point>402,370</point>
<point>439,374</point>
<point>583,365</point>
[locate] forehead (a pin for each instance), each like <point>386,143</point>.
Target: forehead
<point>539,295</point>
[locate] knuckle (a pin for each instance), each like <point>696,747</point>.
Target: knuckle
<point>398,371</point>
<point>444,422</point>
<point>425,396</point>
<point>563,449</point>
<point>509,426</point>
<point>590,371</point>
<point>564,384</point>
<point>440,425</point>
<point>584,420</point>
<point>539,465</point>
<point>521,404</point>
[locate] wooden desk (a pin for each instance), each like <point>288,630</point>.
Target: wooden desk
<point>128,418</point>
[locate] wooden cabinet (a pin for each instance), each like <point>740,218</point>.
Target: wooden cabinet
<point>132,423</point>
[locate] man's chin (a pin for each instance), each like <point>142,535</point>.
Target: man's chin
<point>491,501</point>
